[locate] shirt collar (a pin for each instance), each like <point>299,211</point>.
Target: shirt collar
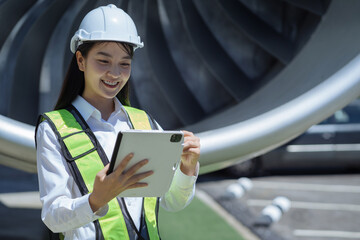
<point>87,110</point>
<point>120,111</point>
<point>118,106</point>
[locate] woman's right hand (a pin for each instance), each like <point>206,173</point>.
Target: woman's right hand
<point>107,187</point>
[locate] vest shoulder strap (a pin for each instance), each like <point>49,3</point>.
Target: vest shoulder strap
<point>139,119</point>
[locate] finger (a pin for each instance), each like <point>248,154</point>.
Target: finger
<point>123,164</point>
<point>191,139</point>
<point>191,151</point>
<point>106,168</point>
<point>133,169</point>
<point>137,185</point>
<point>103,172</point>
<point>189,145</point>
<point>187,133</point>
<point>138,177</point>
<point>192,142</point>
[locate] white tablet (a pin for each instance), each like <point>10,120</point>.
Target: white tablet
<point>163,149</point>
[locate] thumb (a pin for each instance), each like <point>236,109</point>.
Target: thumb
<point>105,170</point>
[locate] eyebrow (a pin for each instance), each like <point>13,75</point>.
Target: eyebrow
<point>109,55</point>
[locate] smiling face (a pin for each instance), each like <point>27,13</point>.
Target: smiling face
<point>106,68</point>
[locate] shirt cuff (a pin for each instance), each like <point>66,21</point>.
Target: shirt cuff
<point>184,180</point>
<point>84,206</point>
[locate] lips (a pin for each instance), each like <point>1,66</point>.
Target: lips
<point>110,84</point>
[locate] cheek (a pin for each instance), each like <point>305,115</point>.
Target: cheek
<point>127,72</point>
<point>99,69</point>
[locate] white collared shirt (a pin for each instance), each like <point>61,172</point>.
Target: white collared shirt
<point>64,208</point>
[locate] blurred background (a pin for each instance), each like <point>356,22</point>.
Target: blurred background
<point>232,48</point>
<point>270,86</point>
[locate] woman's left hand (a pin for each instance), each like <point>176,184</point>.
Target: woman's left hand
<point>190,154</point>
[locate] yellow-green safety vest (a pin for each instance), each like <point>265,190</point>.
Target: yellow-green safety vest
<point>86,158</point>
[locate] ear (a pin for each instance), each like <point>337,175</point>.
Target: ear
<point>80,60</point>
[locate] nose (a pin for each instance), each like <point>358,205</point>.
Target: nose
<point>114,72</point>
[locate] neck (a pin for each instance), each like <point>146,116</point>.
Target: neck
<point>104,105</point>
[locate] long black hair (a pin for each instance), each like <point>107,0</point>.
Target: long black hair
<point>74,82</point>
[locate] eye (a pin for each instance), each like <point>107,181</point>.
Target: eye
<point>103,61</point>
<point>125,65</point>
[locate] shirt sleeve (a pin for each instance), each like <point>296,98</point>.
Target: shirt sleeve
<point>63,208</point>
<point>181,192</point>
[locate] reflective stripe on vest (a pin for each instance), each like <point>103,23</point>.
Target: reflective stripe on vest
<point>138,119</point>
<point>78,147</point>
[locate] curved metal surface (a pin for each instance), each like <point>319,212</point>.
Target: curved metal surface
<point>50,77</point>
<point>176,88</point>
<point>238,87</point>
<point>322,77</point>
<point>7,6</point>
<point>195,73</point>
<point>327,68</point>
<point>146,93</point>
<point>17,147</point>
<point>264,132</point>
<point>21,57</point>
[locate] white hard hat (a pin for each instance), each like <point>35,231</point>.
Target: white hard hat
<point>106,23</point>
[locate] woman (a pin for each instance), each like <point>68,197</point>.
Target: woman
<point>75,141</point>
